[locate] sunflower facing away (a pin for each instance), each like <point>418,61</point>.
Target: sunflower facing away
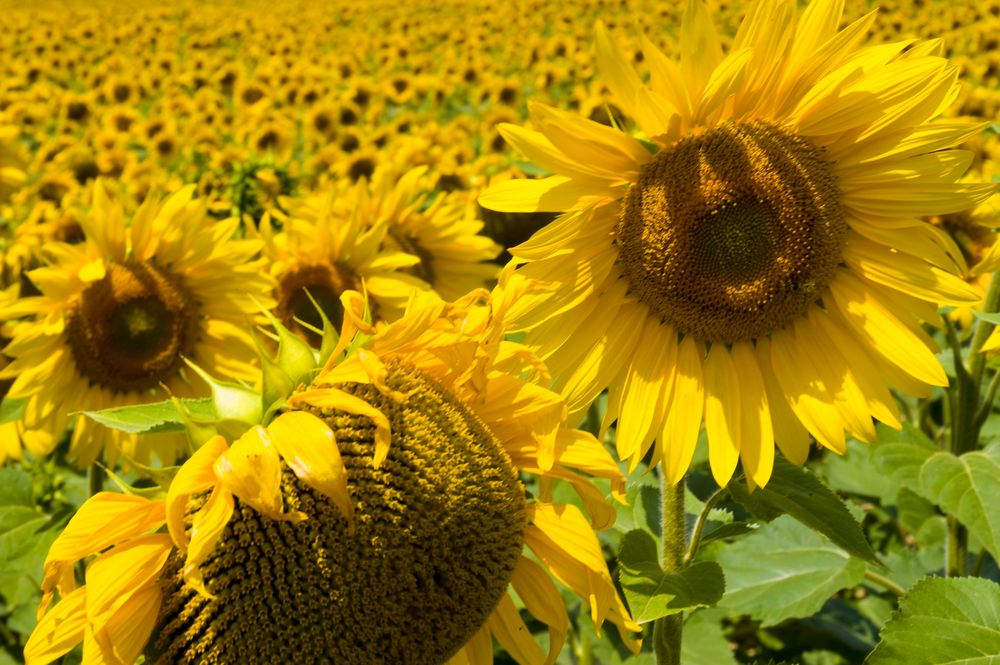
<point>119,312</point>
<point>380,519</point>
<point>756,259</point>
<point>443,233</point>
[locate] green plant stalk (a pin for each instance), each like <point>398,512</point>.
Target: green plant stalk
<point>667,632</point>
<point>95,477</point>
<point>967,420</point>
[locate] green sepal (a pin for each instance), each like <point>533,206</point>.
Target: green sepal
<point>12,409</point>
<point>295,357</point>
<point>329,335</point>
<point>161,476</point>
<point>198,430</point>
<point>234,403</point>
<point>276,384</point>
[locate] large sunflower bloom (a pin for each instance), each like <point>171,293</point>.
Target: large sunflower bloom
<point>381,520</point>
<point>442,231</point>
<point>757,262</point>
<point>324,250</point>
<point>119,312</point>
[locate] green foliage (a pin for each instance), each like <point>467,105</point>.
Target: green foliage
<point>154,418</point>
<point>967,487</point>
<point>784,570</point>
<point>652,593</point>
<point>796,492</point>
<point>943,621</point>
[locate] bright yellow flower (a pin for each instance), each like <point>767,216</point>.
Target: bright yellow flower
<point>440,230</point>
<point>11,163</point>
<point>757,261</point>
<point>382,519</point>
<point>118,313</point>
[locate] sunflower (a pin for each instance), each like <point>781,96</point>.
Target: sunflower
<point>440,229</point>
<point>11,164</point>
<point>118,313</point>
<point>754,259</point>
<point>380,518</point>
<point>324,249</point>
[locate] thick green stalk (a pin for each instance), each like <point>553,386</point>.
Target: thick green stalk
<point>968,418</point>
<point>667,631</point>
<point>95,478</point>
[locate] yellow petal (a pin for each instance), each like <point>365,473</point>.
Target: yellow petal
<point>196,475</point>
<point>477,651</point>
<point>553,194</point>
<point>332,398</point>
<point>756,434</point>
<point>58,631</point>
<point>883,332</point>
<point>616,72</point>
<point>699,47</point>
<point>537,148</point>
<point>645,388</point>
<point>792,438</point>
<point>680,431</point>
<point>723,83</point>
<point>507,626</point>
<point>115,575</point>
<point>251,470</point>
<point>206,527</point>
<point>722,413</point>
<point>812,403</point>
<point>127,633</point>
<point>307,445</point>
<point>106,519</point>
<point>563,539</point>
<point>542,599</point>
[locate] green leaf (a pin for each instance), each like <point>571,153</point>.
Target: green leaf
<point>726,532</point>
<point>783,571</point>
<point>12,408</point>
<point>795,491</point>
<point>989,317</point>
<point>855,473</point>
<point>15,488</point>
<point>651,593</point>
<point>943,621</point>
<point>968,488</point>
<point>153,418</point>
<point>704,640</point>
<point>900,454</point>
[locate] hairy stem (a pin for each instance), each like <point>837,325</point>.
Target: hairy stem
<point>667,631</point>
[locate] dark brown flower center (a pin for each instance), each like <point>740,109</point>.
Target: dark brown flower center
<point>733,233</point>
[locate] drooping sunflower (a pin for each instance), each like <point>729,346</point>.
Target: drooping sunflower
<point>119,312</point>
<point>326,248</point>
<point>754,258</point>
<point>379,519</point>
<point>441,230</point>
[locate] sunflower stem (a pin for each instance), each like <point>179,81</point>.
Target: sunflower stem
<point>667,631</point>
<point>884,582</point>
<point>968,418</point>
<point>699,525</point>
<point>95,477</point>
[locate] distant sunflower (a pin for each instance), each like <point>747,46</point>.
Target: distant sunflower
<point>118,313</point>
<point>381,521</point>
<point>11,163</point>
<point>324,249</point>
<point>756,262</point>
<point>440,229</point>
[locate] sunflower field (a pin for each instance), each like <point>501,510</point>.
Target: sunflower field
<point>598,332</point>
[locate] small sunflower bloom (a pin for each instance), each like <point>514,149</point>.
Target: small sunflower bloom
<point>119,312</point>
<point>382,512</point>
<point>12,174</point>
<point>756,259</point>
